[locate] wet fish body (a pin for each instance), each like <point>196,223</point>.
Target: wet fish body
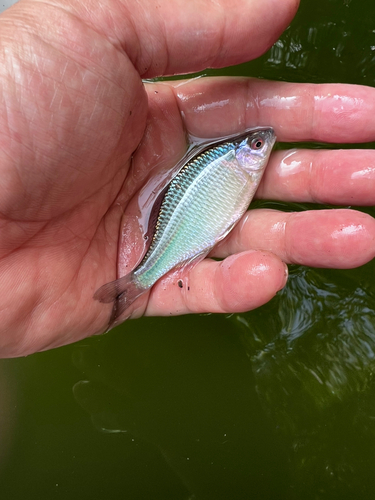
<point>201,204</point>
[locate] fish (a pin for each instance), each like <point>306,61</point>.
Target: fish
<point>198,208</point>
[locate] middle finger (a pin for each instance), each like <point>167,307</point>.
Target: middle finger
<point>338,177</point>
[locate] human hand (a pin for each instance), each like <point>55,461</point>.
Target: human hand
<point>73,111</point>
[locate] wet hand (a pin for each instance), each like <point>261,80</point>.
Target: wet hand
<point>73,111</point>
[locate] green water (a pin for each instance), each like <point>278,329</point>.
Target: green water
<point>278,403</point>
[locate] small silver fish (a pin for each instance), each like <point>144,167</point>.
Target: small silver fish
<point>199,207</point>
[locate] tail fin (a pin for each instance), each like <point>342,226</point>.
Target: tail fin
<point>123,292</point>
<point>110,291</point>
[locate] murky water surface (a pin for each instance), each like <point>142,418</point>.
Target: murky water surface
<point>274,403</point>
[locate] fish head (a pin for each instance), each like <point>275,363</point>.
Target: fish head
<point>253,150</point>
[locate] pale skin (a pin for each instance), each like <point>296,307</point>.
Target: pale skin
<point>73,110</point>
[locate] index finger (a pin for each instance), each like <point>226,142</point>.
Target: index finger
<point>298,112</point>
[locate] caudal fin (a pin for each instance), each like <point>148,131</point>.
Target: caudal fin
<point>123,292</point>
<point>110,291</point>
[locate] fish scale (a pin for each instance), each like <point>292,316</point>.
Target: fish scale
<point>201,205</point>
<point>182,181</point>
<point>193,219</point>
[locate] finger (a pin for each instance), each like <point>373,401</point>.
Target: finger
<point>213,107</point>
<point>298,112</point>
<point>174,36</point>
<point>340,239</point>
<point>341,177</point>
<point>337,177</point>
<point>239,283</point>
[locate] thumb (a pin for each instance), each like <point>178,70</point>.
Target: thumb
<point>167,37</point>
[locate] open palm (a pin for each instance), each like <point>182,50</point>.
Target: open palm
<point>80,135</point>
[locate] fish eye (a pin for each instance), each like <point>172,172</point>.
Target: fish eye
<point>257,143</point>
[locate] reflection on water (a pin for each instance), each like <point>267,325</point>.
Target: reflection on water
<point>329,41</point>
<point>319,332</point>
<point>312,352</point>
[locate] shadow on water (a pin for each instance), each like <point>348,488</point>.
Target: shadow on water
<point>189,392</point>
